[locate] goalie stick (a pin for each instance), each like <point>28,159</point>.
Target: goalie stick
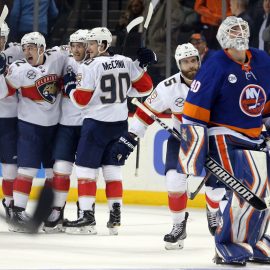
<point>216,169</point>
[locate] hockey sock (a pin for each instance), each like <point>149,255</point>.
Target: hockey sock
<point>21,191</point>
<point>114,192</point>
<point>211,204</point>
<point>7,188</point>
<point>60,184</point>
<point>87,193</point>
<point>177,205</point>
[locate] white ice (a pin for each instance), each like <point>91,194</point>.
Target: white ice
<point>139,244</point>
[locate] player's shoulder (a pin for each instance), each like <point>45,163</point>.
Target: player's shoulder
<point>170,82</point>
<point>259,57</point>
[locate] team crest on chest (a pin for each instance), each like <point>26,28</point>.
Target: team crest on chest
<point>47,87</point>
<point>252,100</point>
<point>179,102</point>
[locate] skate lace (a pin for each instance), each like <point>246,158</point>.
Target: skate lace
<point>55,214</point>
<point>23,216</point>
<point>212,218</point>
<point>177,229</point>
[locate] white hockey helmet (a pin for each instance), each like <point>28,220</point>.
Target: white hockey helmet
<point>185,50</point>
<point>4,30</point>
<point>233,33</point>
<point>79,36</point>
<point>34,38</point>
<point>100,34</point>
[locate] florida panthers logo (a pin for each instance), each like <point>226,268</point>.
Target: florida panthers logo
<point>252,100</point>
<point>47,87</point>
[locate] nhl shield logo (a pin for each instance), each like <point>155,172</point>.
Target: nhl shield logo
<point>47,87</point>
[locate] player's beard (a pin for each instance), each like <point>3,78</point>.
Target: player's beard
<point>190,74</point>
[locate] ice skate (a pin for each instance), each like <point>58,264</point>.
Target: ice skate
<point>19,221</point>
<point>85,224</point>
<point>175,239</point>
<point>212,221</point>
<point>54,223</point>
<point>115,219</point>
<point>8,210</point>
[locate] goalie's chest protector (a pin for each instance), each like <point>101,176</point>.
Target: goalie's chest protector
<point>234,95</point>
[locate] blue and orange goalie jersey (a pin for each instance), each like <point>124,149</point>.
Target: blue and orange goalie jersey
<point>231,98</point>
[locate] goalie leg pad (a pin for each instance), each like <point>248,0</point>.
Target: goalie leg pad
<point>193,149</point>
<point>262,251</point>
<point>233,253</point>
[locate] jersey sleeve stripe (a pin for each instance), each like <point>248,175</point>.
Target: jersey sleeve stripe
<point>196,112</point>
<point>144,84</point>
<point>82,96</point>
<point>250,132</point>
<point>31,92</point>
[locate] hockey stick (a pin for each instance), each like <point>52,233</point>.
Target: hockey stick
<point>216,169</point>
<point>130,26</point>
<point>41,213</point>
<point>145,26</point>
<point>192,195</point>
<point>3,15</point>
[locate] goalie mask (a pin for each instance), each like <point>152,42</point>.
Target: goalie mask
<point>233,33</point>
<point>101,35</point>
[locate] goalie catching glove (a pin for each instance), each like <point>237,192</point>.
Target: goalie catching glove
<point>122,148</point>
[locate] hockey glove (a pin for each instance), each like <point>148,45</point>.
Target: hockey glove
<point>146,57</point>
<point>3,64</point>
<point>123,147</point>
<point>69,82</point>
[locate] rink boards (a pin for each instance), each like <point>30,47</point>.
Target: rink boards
<point>148,187</point>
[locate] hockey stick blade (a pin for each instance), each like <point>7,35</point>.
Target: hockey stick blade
<point>3,15</point>
<point>41,213</point>
<point>149,15</point>
<point>216,169</point>
<point>134,23</point>
<point>192,195</point>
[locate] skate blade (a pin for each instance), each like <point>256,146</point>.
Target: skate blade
<point>17,229</point>
<point>57,229</point>
<point>174,246</point>
<point>87,230</point>
<point>113,231</point>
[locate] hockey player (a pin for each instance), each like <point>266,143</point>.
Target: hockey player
<point>68,134</point>
<point>103,84</point>
<point>8,123</point>
<point>171,94</point>
<point>36,77</point>
<point>230,97</point>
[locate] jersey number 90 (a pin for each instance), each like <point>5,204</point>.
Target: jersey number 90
<point>115,87</point>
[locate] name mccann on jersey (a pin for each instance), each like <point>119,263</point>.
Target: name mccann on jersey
<point>113,64</point>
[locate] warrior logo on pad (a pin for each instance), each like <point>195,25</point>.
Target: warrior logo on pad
<point>252,100</point>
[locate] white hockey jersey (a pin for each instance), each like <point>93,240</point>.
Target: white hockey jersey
<point>70,114</point>
<point>8,105</point>
<point>103,84</point>
<point>38,88</point>
<point>169,94</point>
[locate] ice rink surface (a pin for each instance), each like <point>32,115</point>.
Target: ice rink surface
<point>139,244</point>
